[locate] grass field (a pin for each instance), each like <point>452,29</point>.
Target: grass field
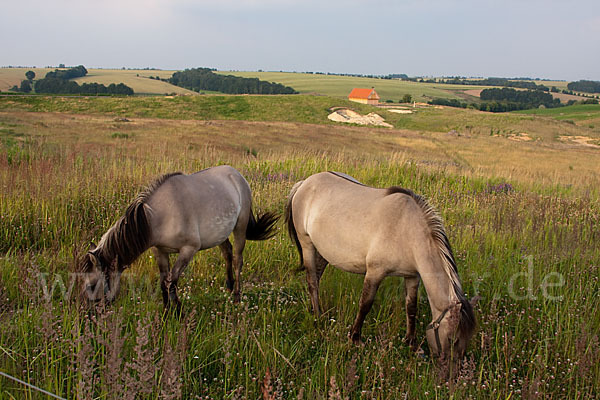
<point>340,86</point>
<point>138,80</point>
<point>329,85</point>
<point>582,113</point>
<point>522,217</point>
<point>336,86</point>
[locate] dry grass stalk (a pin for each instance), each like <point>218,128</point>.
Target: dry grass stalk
<point>351,376</point>
<point>334,390</point>
<point>139,378</point>
<point>113,369</point>
<point>588,352</point>
<point>85,363</point>
<point>266,387</point>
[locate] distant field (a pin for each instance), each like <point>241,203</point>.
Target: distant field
<point>340,86</point>
<point>330,85</point>
<point>581,114</point>
<point>10,77</point>
<point>138,80</point>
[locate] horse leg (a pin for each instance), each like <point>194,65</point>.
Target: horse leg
<point>321,264</point>
<point>309,254</point>
<point>239,242</point>
<point>162,259</point>
<point>370,286</point>
<point>185,255</point>
<point>227,252</point>
<point>411,286</point>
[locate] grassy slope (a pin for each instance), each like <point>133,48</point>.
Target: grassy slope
<point>138,80</point>
<point>10,77</point>
<point>340,86</point>
<point>68,169</point>
<point>578,113</point>
<point>484,147</point>
<point>305,83</point>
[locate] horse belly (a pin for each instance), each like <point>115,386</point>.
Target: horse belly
<point>340,253</point>
<point>217,229</point>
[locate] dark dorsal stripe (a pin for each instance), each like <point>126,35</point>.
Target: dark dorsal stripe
<point>346,177</point>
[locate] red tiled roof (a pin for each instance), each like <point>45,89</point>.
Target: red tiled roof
<point>358,93</point>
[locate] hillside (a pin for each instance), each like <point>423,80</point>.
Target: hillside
<point>340,86</point>
<point>471,141</point>
<point>138,80</point>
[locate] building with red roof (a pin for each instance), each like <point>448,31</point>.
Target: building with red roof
<point>365,96</point>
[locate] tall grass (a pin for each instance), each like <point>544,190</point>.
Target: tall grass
<point>530,251</point>
<point>527,343</point>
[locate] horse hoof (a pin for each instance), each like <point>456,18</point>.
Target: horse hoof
<point>411,342</point>
<point>236,298</point>
<point>355,338</point>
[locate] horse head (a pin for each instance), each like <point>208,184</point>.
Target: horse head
<point>100,279</point>
<point>449,334</point>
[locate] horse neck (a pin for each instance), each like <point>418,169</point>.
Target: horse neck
<point>102,249</point>
<point>443,290</point>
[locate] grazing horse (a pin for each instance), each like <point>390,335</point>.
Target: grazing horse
<point>334,219</point>
<point>178,214</point>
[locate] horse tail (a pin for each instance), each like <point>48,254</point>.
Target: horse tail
<point>289,220</point>
<point>261,227</point>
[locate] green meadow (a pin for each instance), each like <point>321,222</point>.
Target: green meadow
<point>521,210</point>
<point>340,86</point>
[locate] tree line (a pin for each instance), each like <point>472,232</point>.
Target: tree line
<point>198,79</point>
<point>585,86</point>
<point>504,82</point>
<point>59,82</point>
<point>504,100</point>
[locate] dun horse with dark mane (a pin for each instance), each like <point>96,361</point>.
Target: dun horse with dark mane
<point>334,219</point>
<point>178,214</point>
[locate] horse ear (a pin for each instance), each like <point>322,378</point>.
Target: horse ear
<point>474,301</point>
<point>93,260</point>
<point>92,246</point>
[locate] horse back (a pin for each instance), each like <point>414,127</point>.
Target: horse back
<point>352,225</point>
<point>199,209</point>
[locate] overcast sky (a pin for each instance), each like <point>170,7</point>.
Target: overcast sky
<point>557,39</point>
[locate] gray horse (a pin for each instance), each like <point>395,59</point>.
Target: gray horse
<point>334,219</point>
<point>178,214</point>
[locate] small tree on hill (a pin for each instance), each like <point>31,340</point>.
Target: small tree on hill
<point>407,98</point>
<point>25,86</point>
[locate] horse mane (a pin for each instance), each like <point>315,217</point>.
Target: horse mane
<point>129,237</point>
<point>438,234</point>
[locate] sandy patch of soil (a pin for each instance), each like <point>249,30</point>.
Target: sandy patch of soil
<point>520,137</point>
<point>352,117</point>
<point>401,111</point>
<point>581,140</point>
